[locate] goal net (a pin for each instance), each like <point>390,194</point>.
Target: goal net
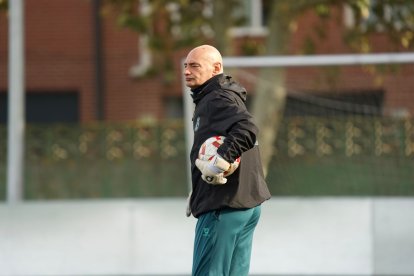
<point>347,125</point>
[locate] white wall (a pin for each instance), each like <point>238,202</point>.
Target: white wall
<point>296,236</point>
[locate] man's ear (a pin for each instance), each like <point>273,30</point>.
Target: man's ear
<point>217,68</point>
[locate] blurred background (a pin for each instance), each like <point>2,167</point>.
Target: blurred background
<point>104,98</point>
<point>104,109</point>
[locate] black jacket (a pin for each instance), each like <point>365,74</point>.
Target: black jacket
<point>220,110</point>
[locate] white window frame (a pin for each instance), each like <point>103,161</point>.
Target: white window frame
<point>255,27</point>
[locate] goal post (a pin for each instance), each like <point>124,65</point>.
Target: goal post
<point>287,62</point>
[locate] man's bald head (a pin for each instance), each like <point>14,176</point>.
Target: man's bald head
<point>209,53</point>
<point>201,64</point>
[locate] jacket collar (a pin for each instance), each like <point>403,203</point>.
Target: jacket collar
<point>206,86</point>
<point>220,81</point>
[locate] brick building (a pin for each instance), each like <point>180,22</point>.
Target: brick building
<point>61,66</point>
<point>73,74</point>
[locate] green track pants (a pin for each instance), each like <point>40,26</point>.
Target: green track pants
<point>223,242</point>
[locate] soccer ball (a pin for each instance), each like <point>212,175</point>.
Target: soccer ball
<point>209,148</point>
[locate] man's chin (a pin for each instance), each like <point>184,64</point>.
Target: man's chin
<point>190,85</point>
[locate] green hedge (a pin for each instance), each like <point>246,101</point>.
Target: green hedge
<point>313,156</point>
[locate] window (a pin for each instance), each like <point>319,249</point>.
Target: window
<point>46,107</point>
<point>255,12</point>
<point>367,103</point>
<point>173,107</point>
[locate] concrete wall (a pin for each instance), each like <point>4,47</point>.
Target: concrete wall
<point>296,236</point>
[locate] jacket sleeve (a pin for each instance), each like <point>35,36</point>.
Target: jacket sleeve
<point>230,118</point>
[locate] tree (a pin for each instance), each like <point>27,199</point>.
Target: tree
<point>394,18</point>
<point>175,24</point>
<point>172,24</point>
<point>3,5</point>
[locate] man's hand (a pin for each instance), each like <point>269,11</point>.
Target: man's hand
<point>212,171</point>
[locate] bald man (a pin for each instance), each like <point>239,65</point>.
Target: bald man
<point>227,208</point>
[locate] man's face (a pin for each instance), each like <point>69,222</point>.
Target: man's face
<point>197,69</point>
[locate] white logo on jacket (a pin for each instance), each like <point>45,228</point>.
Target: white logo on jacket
<point>197,124</point>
